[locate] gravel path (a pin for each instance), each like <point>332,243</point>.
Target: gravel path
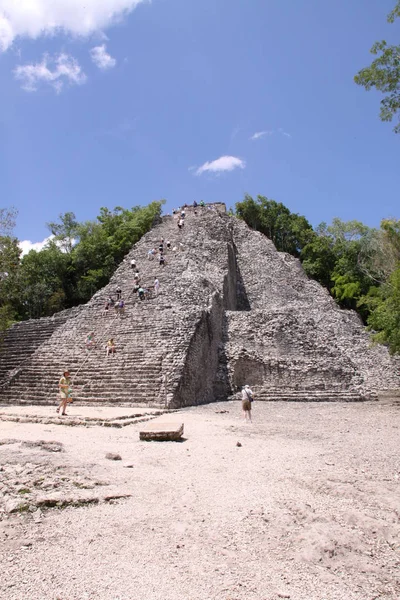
<point>306,508</point>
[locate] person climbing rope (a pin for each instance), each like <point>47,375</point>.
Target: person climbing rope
<point>64,386</point>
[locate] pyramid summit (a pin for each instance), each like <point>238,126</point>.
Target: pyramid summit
<point>230,310</point>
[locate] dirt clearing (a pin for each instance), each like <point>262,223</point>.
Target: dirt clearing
<point>306,507</point>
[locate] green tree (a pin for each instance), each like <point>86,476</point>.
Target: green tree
<point>384,304</point>
<point>288,231</point>
<point>332,258</point>
<point>383,74</point>
<point>9,261</point>
<point>65,232</point>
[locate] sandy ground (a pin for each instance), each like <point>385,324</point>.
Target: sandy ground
<point>306,508</point>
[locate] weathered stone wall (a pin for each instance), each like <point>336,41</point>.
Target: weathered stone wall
<point>197,384</point>
<point>22,339</point>
<point>295,335</point>
<point>231,310</point>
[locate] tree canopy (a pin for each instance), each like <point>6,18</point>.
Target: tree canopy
<point>78,260</point>
<point>383,74</point>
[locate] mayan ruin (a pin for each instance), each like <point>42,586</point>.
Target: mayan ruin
<point>230,309</point>
<point>199,300</point>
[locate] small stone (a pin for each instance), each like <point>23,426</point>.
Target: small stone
<point>239,444</point>
<point>113,456</point>
<point>16,505</point>
<point>128,466</point>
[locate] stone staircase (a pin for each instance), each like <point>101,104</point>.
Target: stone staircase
<point>152,337</point>
<point>276,395</point>
<point>22,339</point>
<point>231,310</point>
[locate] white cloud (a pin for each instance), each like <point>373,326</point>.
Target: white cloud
<point>260,134</point>
<point>224,163</point>
<point>284,133</point>
<point>65,69</point>
<point>35,18</point>
<point>101,58</point>
<point>26,245</point>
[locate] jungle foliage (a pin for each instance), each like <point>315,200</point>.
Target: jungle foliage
<point>383,74</point>
<point>77,261</point>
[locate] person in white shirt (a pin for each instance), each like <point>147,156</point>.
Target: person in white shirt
<point>247,399</point>
<point>156,286</point>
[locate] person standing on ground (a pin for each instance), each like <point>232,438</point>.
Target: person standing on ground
<point>64,385</point>
<point>247,399</point>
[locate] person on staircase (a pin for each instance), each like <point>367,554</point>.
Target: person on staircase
<point>90,340</point>
<point>161,259</point>
<point>156,286</point>
<point>181,223</point>
<point>106,308</point>
<point>168,245</point>
<point>136,277</point>
<point>118,293</point>
<point>141,294</point>
<point>133,264</point>
<point>121,308</point>
<point>151,254</point>
<point>110,347</point>
<point>64,386</point>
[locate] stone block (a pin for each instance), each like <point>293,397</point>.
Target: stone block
<point>162,431</point>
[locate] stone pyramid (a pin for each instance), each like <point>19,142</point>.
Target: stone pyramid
<point>230,310</point>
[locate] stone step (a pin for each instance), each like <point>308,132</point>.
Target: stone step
<point>309,396</point>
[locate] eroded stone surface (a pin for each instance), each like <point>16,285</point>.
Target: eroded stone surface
<point>231,310</point>
<point>162,431</point>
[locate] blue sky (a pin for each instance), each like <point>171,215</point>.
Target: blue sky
<point>121,102</point>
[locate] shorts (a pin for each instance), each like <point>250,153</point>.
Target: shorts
<point>246,405</point>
